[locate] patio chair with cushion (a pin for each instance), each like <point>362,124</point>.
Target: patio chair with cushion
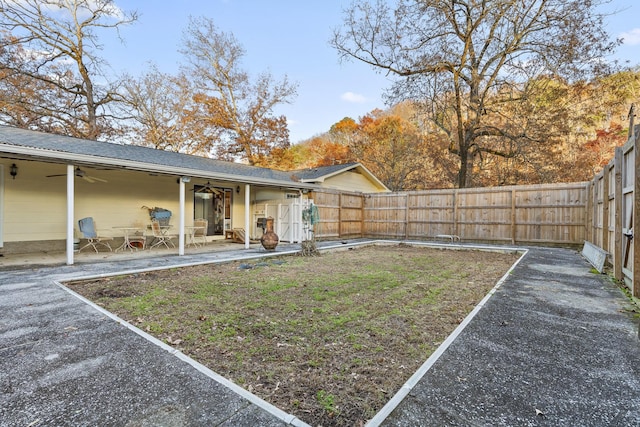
<point>88,229</point>
<point>161,235</point>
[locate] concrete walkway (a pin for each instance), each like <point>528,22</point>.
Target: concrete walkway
<point>553,346</point>
<point>64,362</point>
<point>556,345</point>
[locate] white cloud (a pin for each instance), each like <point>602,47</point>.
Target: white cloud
<point>86,9</point>
<point>353,97</point>
<point>632,37</point>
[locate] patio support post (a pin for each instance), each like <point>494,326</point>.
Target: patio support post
<point>181,231</point>
<point>70,212</point>
<point>247,224</point>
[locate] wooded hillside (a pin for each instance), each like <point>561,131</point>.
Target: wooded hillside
<point>573,130</point>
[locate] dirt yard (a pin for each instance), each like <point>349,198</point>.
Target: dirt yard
<point>329,338</point>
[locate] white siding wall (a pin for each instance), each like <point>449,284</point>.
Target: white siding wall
<point>35,206</point>
<point>268,194</point>
<point>237,208</point>
<point>350,181</point>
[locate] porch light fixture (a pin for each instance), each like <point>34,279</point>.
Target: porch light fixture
<point>238,189</point>
<point>185,178</point>
<point>13,171</point>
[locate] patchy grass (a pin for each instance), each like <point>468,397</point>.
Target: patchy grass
<point>329,339</point>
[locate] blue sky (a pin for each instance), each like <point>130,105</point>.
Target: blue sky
<point>291,37</point>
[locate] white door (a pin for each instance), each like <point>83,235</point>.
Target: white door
<point>290,220</point>
<point>284,223</point>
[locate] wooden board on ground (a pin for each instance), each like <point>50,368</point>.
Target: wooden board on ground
<point>594,255</point>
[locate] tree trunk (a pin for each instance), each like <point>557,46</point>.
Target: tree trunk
<point>462,173</point>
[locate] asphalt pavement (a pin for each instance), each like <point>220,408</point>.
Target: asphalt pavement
<point>554,344</point>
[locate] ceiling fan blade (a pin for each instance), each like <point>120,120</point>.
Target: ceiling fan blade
<point>79,173</point>
<point>210,190</point>
<point>206,188</point>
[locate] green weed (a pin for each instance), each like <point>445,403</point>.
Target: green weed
<point>327,401</point>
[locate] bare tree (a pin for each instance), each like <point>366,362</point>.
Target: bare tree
<point>54,45</point>
<point>465,59</point>
<point>228,99</point>
<point>159,106</point>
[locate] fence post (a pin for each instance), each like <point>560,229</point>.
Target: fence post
<point>363,200</point>
<point>513,216</point>
<point>617,232</point>
<point>340,215</point>
<point>589,214</point>
<point>406,218</point>
<point>636,221</point>
<point>455,214</point>
<point>632,116</point>
<point>605,208</point>
<point>597,197</point>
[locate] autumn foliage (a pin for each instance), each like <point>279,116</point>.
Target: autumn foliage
<point>572,132</point>
<point>459,116</point>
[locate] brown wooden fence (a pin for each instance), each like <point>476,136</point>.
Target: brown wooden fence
<point>532,214</point>
<point>341,214</point>
<point>600,211</point>
<point>611,205</point>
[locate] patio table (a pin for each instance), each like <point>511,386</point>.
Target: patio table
<point>191,234</point>
<point>131,237</point>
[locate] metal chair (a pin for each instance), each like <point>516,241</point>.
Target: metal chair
<point>88,229</point>
<point>161,237</point>
<point>200,232</point>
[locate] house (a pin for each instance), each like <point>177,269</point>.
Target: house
<point>346,177</point>
<point>49,182</point>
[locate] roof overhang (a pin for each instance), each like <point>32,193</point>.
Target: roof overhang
<point>31,153</point>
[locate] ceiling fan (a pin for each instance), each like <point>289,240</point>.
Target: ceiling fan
<point>206,188</point>
<point>82,174</point>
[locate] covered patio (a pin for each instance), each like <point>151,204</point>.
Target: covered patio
<point>55,181</point>
<point>212,250</point>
